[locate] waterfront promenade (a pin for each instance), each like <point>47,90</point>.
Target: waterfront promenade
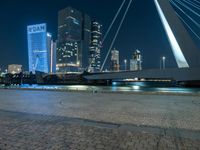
<point>85,120</point>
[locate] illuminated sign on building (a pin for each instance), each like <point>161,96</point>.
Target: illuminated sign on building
<point>37,28</point>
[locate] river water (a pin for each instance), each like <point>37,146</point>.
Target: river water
<point>113,88</point>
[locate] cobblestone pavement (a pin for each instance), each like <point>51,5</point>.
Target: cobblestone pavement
<point>63,120</point>
<point>168,111</point>
<point>38,132</point>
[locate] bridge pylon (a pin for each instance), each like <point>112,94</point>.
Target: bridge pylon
<point>186,53</point>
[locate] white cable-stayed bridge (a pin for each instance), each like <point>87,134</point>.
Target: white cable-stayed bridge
<point>178,17</point>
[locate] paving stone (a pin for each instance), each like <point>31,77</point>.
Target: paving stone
<point>44,128</point>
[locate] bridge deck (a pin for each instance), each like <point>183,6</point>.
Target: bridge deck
<point>184,74</point>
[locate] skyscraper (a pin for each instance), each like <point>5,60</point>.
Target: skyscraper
<point>115,60</point>
<point>53,57</point>
<point>49,40</point>
<point>95,49</point>
<point>86,40</point>
<point>73,39</point>
<point>136,61</point>
<point>52,47</point>
<point>38,49</point>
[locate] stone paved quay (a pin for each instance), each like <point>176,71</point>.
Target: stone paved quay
<point>71,120</point>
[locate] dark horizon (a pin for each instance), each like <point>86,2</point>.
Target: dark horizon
<point>141,30</point>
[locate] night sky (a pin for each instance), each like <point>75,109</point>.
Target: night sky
<point>141,30</point>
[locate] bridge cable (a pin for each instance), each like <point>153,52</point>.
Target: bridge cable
<point>195,22</point>
<point>192,4</point>
<point>181,3</point>
<point>198,5</point>
<point>197,1</point>
<point>116,34</point>
<point>188,26</point>
<point>113,21</point>
<point>111,25</point>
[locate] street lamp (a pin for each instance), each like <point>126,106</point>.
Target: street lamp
<point>125,64</point>
<point>163,61</point>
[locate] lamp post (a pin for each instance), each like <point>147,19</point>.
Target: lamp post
<point>125,64</point>
<point>163,61</point>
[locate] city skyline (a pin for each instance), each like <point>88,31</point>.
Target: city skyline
<point>133,35</point>
<point>102,74</point>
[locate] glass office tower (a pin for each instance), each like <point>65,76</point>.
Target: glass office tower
<point>38,48</point>
<point>114,60</point>
<point>73,40</point>
<point>95,48</point>
<point>136,61</point>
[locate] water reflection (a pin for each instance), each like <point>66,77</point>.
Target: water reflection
<point>113,88</point>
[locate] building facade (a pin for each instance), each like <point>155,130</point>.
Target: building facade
<point>14,69</point>
<point>95,49</point>
<point>86,40</point>
<point>115,60</point>
<point>73,40</point>
<point>38,48</point>
<point>52,47</point>
<point>136,61</point>
<point>53,56</point>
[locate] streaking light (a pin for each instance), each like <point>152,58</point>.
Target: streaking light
<point>180,59</point>
<point>135,87</point>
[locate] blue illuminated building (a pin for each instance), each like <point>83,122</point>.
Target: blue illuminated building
<point>38,48</point>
